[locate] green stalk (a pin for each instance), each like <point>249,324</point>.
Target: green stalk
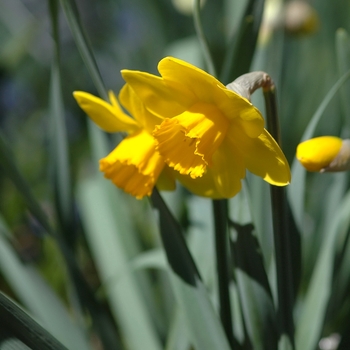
<point>73,18</point>
<point>60,166</point>
<point>202,40</point>
<point>220,208</point>
<point>282,232</point>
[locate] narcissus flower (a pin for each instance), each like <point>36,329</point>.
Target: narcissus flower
<point>134,165</point>
<point>324,154</point>
<point>210,135</point>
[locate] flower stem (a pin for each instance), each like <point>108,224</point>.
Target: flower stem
<point>282,231</point>
<point>222,264</point>
<point>202,40</point>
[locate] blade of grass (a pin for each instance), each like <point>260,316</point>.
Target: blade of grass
<point>21,326</point>
<point>341,278</point>
<point>177,337</point>
<point>38,297</point>
<point>241,48</point>
<point>108,248</point>
<point>310,321</point>
<point>259,197</point>
<point>337,185</point>
<point>72,15</point>
<point>254,291</point>
<point>342,42</point>
<point>205,330</point>
<point>59,147</point>
<point>202,39</point>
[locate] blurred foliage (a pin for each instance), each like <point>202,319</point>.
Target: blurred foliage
<point>136,34</point>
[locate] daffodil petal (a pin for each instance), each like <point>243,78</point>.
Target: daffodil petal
<point>238,108</point>
<point>136,108</point>
<point>209,90</point>
<point>164,100</point>
<point>262,156</point>
<point>134,165</point>
<point>228,170</point>
<point>202,186</point>
<point>317,153</point>
<point>108,117</point>
<point>113,99</point>
<point>192,79</point>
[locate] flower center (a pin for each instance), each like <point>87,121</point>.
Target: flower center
<point>188,141</point>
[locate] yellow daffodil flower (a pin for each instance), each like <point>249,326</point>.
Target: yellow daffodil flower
<point>134,165</point>
<point>210,135</point>
<point>324,154</point>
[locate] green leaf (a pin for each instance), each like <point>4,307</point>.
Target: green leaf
<point>59,142</point>
<point>178,333</point>
<point>202,39</point>
<point>259,203</point>
<point>153,259</point>
<point>337,185</point>
<point>73,19</point>
<point>342,41</point>
<point>104,235</point>
<point>38,297</point>
<point>341,278</point>
<point>254,291</point>
<point>241,47</point>
<point>309,323</point>
<point>21,331</point>
<point>204,328</point>
<point>202,322</point>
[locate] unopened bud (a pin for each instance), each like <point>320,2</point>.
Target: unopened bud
<point>300,18</point>
<point>324,154</point>
<point>185,6</point>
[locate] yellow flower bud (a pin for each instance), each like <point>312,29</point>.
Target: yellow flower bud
<point>300,18</point>
<point>324,154</point>
<point>185,6</point>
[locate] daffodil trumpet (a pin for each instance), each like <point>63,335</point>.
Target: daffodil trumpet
<point>324,154</point>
